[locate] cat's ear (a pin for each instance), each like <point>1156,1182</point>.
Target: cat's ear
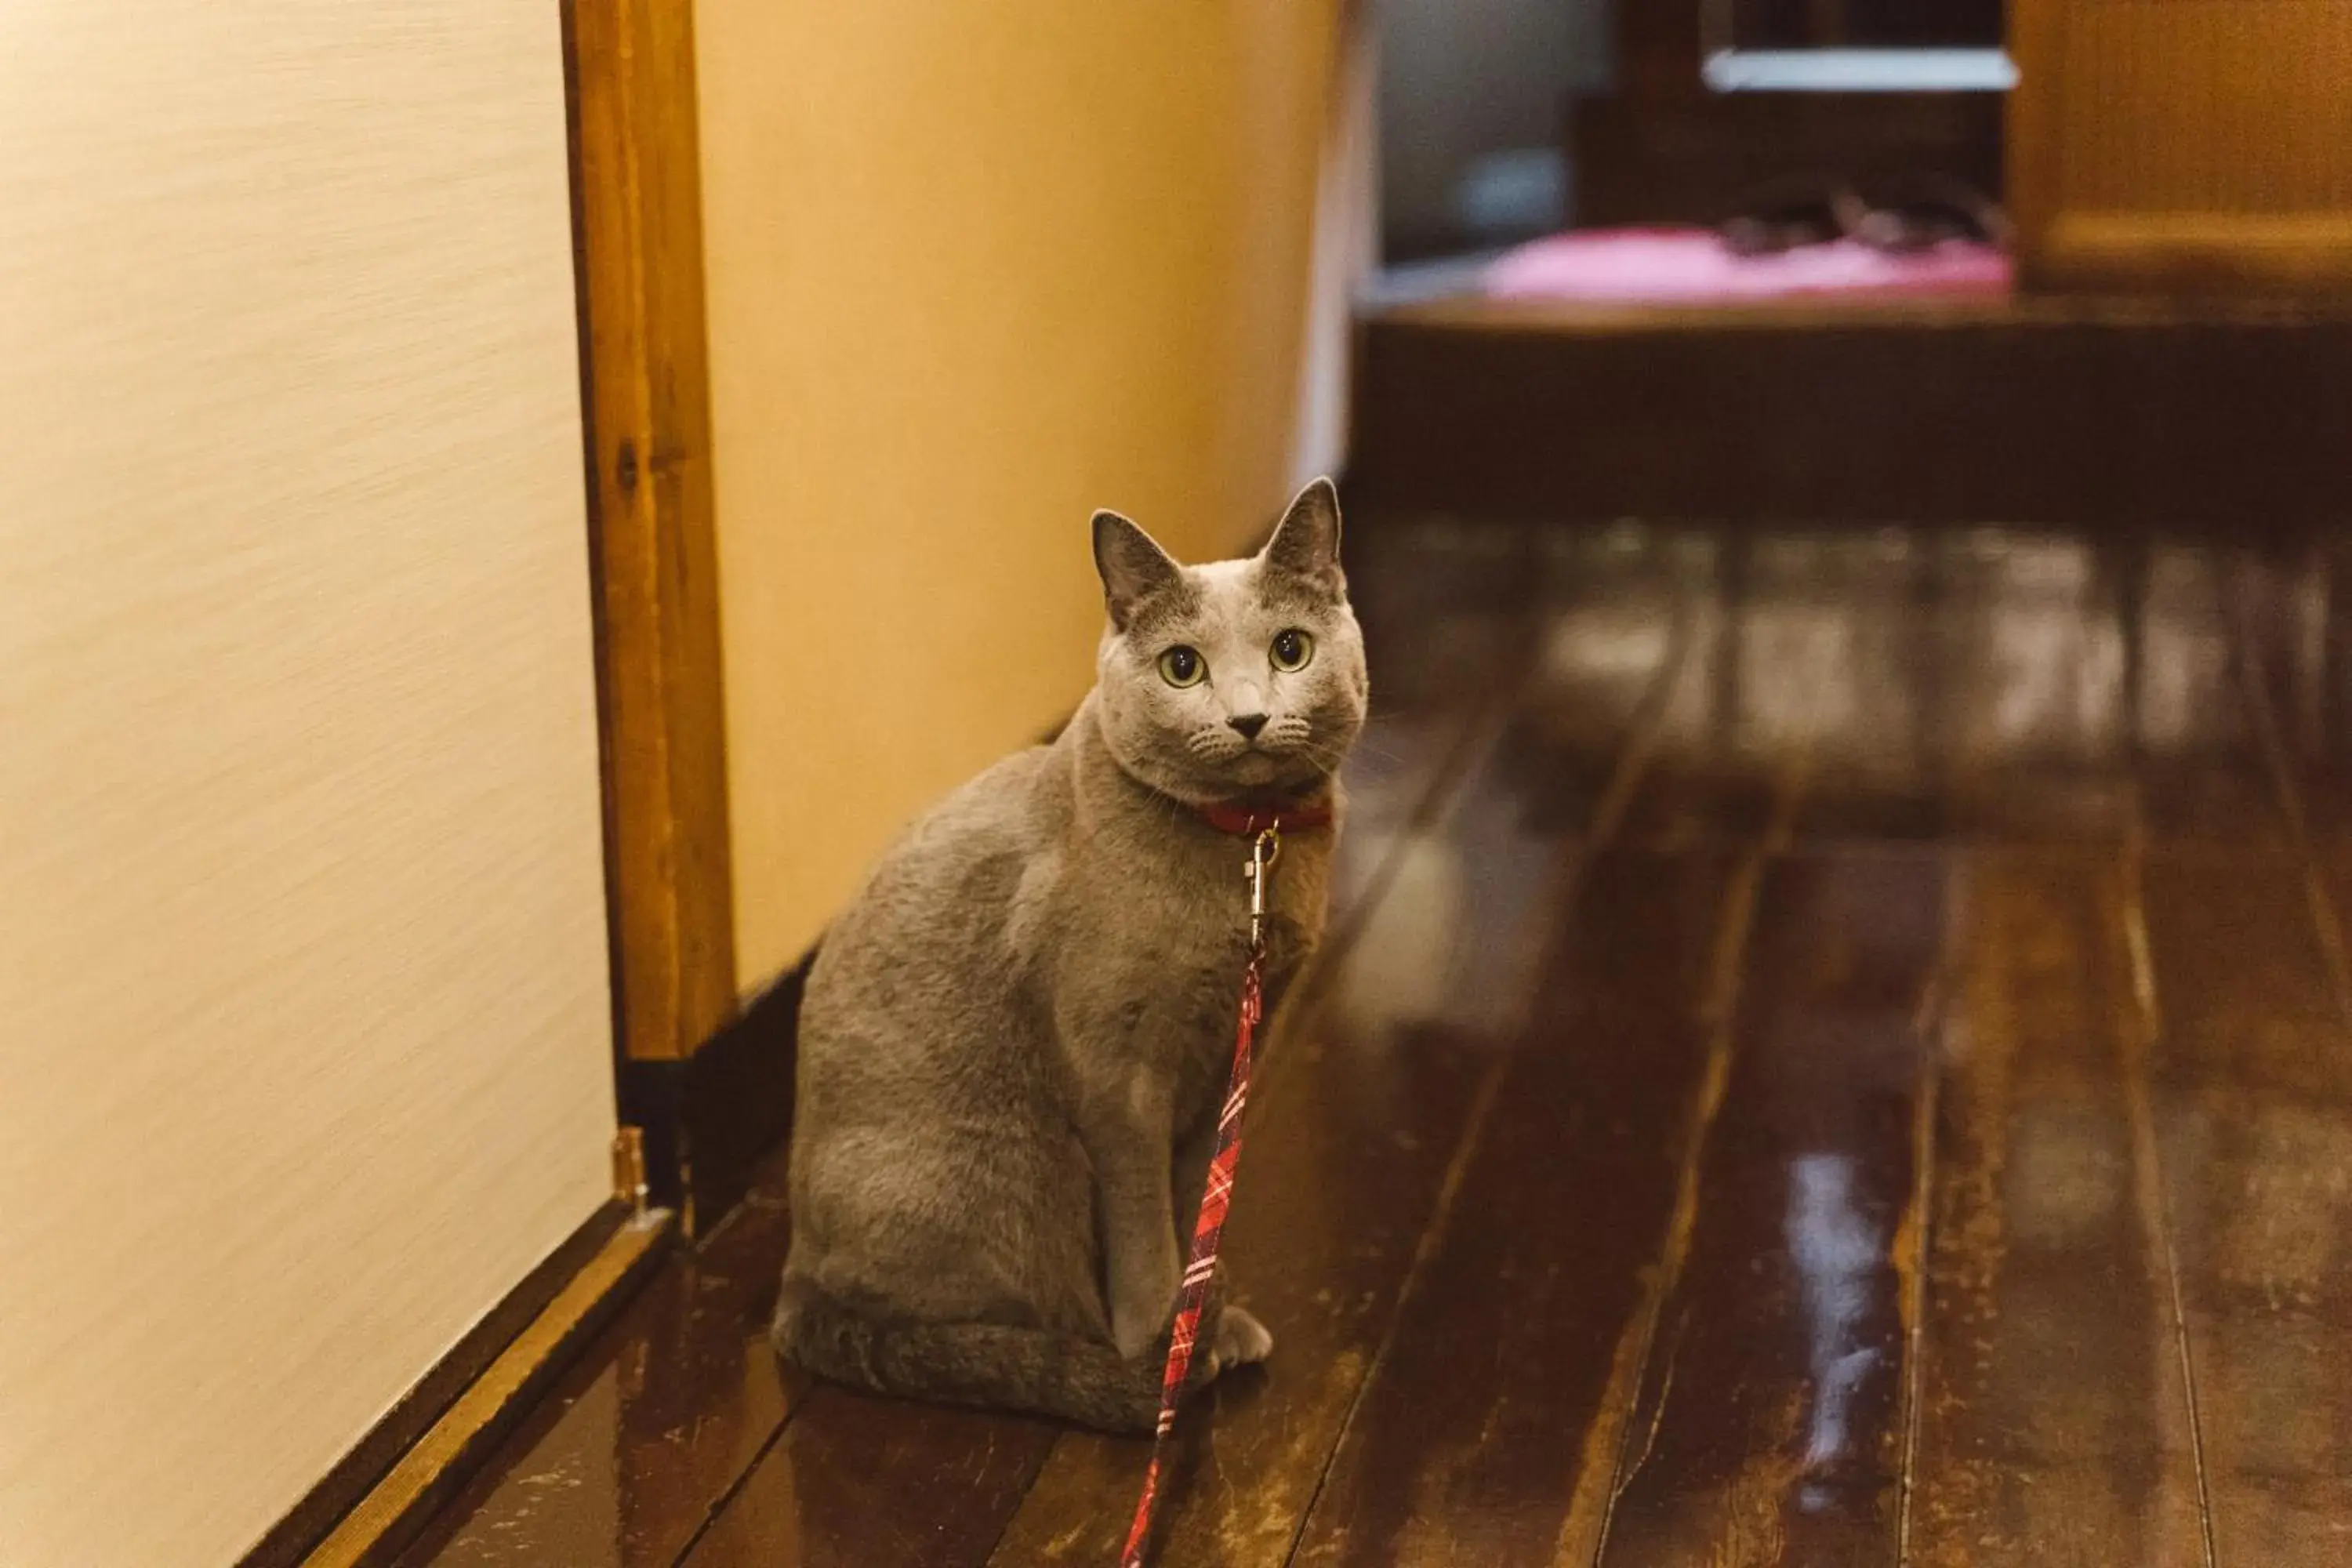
<point>1133,566</point>
<point>1306,543</point>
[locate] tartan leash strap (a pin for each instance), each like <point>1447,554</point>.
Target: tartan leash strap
<point>1216,1195</point>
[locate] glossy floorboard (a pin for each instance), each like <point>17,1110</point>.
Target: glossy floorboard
<point>1836,1049</point>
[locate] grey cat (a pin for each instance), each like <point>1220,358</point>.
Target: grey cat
<point>1014,1044</point>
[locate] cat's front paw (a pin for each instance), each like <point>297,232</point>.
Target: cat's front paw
<point>1240,1340</point>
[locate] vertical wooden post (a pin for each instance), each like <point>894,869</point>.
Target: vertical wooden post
<point>638,219</point>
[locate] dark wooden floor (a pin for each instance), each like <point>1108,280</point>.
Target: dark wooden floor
<point>1837,1050</point>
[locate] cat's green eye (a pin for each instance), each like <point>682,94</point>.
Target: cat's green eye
<point>1181,667</point>
<point>1291,650</point>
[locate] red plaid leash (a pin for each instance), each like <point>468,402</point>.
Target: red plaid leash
<point>1216,1196</point>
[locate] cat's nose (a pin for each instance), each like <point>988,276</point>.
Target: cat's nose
<point>1249,724</point>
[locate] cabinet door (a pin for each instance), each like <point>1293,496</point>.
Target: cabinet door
<point>2183,145</point>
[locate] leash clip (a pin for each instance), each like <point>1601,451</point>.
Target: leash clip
<point>1265,849</point>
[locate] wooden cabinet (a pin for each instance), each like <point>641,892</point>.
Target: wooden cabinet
<point>2183,145</point>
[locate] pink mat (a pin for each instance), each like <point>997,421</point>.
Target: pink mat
<point>1692,266</point>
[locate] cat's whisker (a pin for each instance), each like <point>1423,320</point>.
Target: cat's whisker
<point>1374,749</point>
<point>1331,751</point>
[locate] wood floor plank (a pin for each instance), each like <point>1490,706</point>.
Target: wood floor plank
<point>1618,605</point>
<point>2253,1074</point>
<point>2295,636</point>
<point>2031,702</point>
<point>1986,692</point>
<point>1865,614</point>
<point>2199,770</point>
<point>1818,644</point>
<point>2253,1071</point>
<point>1465,1445</point>
<point>2294,649</point>
<point>855,1482</point>
<point>2053,1423</point>
<point>1768,1428</point>
<point>1713,781</point>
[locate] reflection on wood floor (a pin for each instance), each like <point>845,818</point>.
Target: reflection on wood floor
<point>1834,1050</point>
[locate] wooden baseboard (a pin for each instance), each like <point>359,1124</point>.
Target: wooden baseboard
<point>515,1348</point>
<point>432,1468</point>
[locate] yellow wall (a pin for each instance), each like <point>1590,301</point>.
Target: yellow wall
<point>304,1022</point>
<point>975,270</point>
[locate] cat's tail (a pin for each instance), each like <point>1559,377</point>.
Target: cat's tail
<point>999,1365</point>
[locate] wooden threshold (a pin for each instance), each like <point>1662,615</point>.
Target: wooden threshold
<point>379,1451</point>
<point>387,1517</point>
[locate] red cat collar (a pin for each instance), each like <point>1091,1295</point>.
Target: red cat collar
<point>1247,818</point>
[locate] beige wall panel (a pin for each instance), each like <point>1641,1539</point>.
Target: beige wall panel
<point>304,1021</point>
<point>975,270</point>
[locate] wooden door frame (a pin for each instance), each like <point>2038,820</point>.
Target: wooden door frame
<point>638,220</point>
<point>645,381</point>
